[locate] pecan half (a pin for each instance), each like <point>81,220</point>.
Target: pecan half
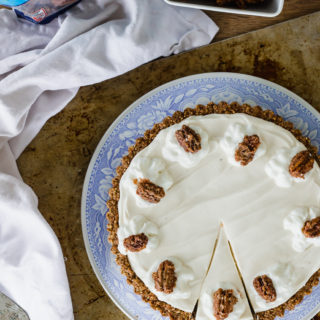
<point>264,287</point>
<point>165,278</point>
<point>136,242</point>
<point>223,302</point>
<point>300,164</point>
<point>188,139</point>
<point>149,191</point>
<point>311,228</point>
<point>247,149</point>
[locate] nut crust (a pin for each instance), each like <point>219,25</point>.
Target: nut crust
<point>223,302</point>
<point>149,191</point>
<point>188,139</point>
<point>165,278</point>
<point>300,164</point>
<point>136,242</point>
<point>264,287</point>
<point>247,149</point>
<point>311,228</point>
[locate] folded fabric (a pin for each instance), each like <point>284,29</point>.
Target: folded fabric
<point>41,70</point>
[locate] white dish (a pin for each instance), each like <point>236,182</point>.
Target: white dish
<point>270,8</point>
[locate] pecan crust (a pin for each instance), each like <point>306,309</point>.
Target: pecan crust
<point>142,142</point>
<point>300,164</point>
<point>264,287</point>
<point>165,278</point>
<point>247,149</point>
<point>136,242</point>
<point>223,302</point>
<point>188,139</point>
<point>311,228</point>
<point>149,191</point>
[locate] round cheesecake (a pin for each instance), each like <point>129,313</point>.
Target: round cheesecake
<point>218,207</point>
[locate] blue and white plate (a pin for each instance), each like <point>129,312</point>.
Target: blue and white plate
<point>142,115</point>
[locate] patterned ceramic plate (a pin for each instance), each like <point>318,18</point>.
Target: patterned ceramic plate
<point>142,115</point>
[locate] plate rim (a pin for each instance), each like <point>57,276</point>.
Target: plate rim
<point>126,111</point>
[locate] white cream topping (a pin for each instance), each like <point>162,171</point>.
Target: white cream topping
<point>277,168</point>
<point>282,276</point>
<point>251,206</point>
<point>150,168</point>
<point>223,274</point>
<point>139,224</point>
<point>294,223</point>
<point>185,280</point>
<point>234,135</point>
<point>172,150</point>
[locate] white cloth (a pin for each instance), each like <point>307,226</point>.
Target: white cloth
<point>41,70</point>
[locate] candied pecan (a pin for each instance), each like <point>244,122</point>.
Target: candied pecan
<point>165,278</point>
<point>311,228</point>
<point>240,4</point>
<point>222,2</point>
<point>247,149</point>
<point>264,287</point>
<point>149,191</point>
<point>300,164</point>
<point>136,242</point>
<point>223,302</point>
<point>188,139</point>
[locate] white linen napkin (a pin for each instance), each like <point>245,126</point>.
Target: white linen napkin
<point>41,70</point>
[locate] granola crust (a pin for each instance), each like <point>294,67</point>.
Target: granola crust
<point>114,194</point>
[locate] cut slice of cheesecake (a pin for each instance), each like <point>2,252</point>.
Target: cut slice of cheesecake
<point>222,295</point>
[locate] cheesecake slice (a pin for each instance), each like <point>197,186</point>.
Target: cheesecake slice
<point>223,295</point>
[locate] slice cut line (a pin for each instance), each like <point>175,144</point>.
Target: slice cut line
<point>243,284</point>
<point>213,252</point>
<point>194,312</point>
